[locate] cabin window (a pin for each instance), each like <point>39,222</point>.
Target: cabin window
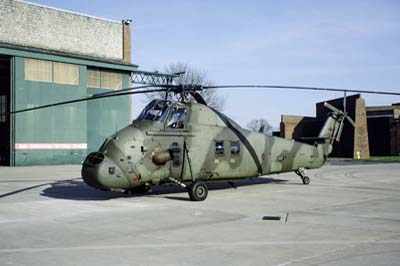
<point>219,147</point>
<point>177,117</point>
<point>235,147</point>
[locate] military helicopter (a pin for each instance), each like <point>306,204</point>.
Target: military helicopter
<point>189,144</point>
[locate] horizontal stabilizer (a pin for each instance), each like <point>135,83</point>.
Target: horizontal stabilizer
<point>322,139</point>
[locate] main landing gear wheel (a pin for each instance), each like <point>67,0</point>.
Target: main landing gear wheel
<point>198,191</point>
<point>302,173</point>
<point>306,180</point>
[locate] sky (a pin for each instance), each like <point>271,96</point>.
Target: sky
<point>335,44</point>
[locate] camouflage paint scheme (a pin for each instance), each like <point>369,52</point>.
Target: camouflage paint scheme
<point>125,159</point>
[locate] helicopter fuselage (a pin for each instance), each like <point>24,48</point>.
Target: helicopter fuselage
<point>189,142</point>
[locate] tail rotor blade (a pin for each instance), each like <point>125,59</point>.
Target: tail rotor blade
<point>351,120</point>
<point>338,135</point>
<point>331,107</point>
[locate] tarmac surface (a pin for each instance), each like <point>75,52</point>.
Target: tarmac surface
<point>348,215</point>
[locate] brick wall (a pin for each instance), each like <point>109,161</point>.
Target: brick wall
<point>297,127</point>
<point>48,28</point>
<point>288,124</point>
<point>384,130</point>
<point>361,144</point>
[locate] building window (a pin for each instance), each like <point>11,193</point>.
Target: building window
<point>93,78</point>
<point>48,71</point>
<point>38,70</point>
<point>111,80</point>
<point>3,108</point>
<point>105,79</point>
<point>66,73</point>
<point>219,147</point>
<point>235,147</point>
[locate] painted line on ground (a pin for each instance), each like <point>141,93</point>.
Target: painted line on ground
<point>202,244</point>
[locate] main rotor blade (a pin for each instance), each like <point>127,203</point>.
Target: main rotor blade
<point>198,97</point>
<point>125,89</point>
<point>300,88</point>
<point>83,100</point>
<point>169,88</point>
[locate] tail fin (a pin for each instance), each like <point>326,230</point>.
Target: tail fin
<point>330,129</point>
<point>333,127</point>
<point>329,132</point>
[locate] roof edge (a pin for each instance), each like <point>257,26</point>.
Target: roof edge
<point>65,54</point>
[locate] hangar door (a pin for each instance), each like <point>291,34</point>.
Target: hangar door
<point>5,87</point>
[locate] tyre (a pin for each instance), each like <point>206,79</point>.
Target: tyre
<point>306,180</point>
<point>198,191</point>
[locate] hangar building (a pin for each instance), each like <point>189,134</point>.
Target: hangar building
<point>376,131</point>
<point>49,55</point>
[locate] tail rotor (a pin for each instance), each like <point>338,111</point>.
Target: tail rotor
<point>341,116</point>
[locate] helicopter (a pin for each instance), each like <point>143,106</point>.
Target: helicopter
<point>189,144</point>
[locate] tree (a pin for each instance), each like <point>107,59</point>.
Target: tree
<point>192,76</point>
<point>256,124</point>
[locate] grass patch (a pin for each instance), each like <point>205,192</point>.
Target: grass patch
<point>385,158</point>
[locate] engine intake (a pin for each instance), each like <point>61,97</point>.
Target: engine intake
<point>161,158</point>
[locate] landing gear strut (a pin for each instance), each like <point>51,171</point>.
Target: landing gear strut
<point>302,173</point>
<point>198,190</point>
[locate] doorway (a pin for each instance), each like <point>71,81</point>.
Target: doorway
<point>5,88</point>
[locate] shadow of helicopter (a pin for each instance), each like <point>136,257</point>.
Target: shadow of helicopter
<point>76,189</point>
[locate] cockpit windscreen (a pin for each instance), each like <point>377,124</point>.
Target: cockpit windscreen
<point>156,110</point>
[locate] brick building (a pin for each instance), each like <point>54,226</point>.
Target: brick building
<point>384,130</point>
<point>49,55</point>
<point>354,140</point>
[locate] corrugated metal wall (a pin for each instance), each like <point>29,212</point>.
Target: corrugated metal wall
<point>61,134</point>
<point>105,116</point>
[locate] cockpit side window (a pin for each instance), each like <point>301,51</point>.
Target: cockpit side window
<point>177,118</point>
<point>157,110</point>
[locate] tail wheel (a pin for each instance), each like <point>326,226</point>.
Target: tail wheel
<point>198,191</point>
<point>306,180</point>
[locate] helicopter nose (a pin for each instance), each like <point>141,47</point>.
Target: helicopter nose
<point>101,172</point>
